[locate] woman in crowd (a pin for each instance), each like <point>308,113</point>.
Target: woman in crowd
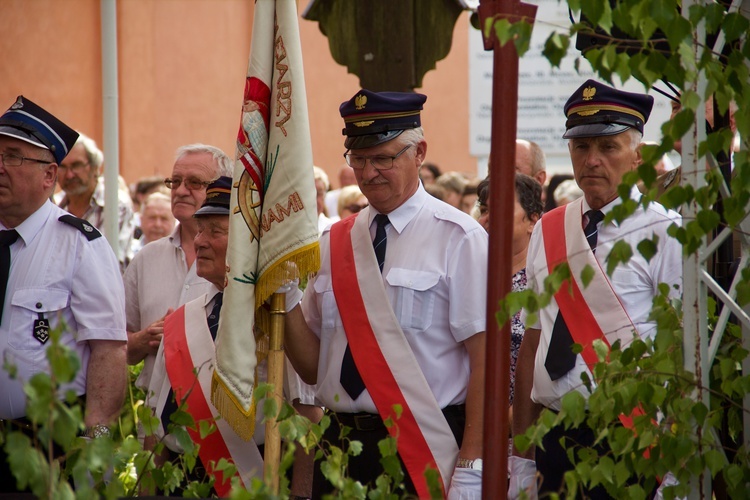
<point>351,201</point>
<point>527,211</point>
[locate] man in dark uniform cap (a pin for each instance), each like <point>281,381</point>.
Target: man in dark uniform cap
<point>54,269</point>
<point>604,127</point>
<point>395,316</point>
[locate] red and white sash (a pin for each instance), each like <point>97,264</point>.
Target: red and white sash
<point>189,348</point>
<point>591,312</point>
<point>378,344</point>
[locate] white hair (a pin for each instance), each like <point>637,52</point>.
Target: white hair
<point>93,153</point>
<point>320,174</point>
<point>225,164</point>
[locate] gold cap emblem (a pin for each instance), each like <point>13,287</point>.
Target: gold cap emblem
<point>360,101</point>
<point>588,93</point>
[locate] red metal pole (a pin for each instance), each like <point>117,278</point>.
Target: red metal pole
<point>502,194</point>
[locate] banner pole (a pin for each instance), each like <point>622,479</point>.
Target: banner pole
<point>272,455</point>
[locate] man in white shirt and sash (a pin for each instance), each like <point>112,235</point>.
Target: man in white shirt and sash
<point>188,347</point>
<point>604,130</point>
<point>396,315</point>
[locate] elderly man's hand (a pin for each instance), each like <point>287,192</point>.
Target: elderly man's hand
<point>293,293</point>
<point>522,474</point>
<point>146,341</point>
<point>466,484</point>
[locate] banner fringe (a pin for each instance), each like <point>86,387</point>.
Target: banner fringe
<point>241,421</point>
<point>307,260</point>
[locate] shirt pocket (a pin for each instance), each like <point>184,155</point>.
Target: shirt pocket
<point>29,305</point>
<point>414,297</point>
<point>329,311</point>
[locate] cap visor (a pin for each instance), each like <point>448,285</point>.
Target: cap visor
<point>21,135</point>
<point>594,130</point>
<point>211,210</point>
<point>370,140</point>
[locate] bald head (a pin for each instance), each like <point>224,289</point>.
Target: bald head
<point>530,160</point>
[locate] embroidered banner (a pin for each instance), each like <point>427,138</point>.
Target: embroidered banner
<point>273,217</point>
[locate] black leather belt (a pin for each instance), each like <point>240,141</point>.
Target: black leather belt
<point>367,422</point>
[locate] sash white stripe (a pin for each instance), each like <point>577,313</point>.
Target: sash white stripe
<point>398,353</point>
<point>599,294</point>
<point>246,456</point>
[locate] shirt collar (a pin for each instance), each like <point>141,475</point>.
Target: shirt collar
<point>174,238</point>
<point>635,195</point>
<point>29,228</point>
<point>401,216</point>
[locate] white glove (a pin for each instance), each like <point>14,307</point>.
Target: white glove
<point>466,484</point>
<point>668,480</point>
<point>522,474</point>
<point>293,293</point>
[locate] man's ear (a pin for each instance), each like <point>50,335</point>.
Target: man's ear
<point>421,152</point>
<point>50,174</point>
<point>638,156</point>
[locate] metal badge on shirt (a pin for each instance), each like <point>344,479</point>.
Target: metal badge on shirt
<point>41,329</point>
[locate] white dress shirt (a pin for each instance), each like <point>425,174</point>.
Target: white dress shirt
<point>60,275</point>
<point>435,277</point>
<point>635,283</point>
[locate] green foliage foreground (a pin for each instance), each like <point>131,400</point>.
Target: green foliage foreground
<point>119,466</point>
<point>679,429</point>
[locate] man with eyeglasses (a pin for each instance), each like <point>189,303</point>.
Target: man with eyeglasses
<point>83,192</point>
<point>55,270</point>
<point>392,327</point>
<point>162,275</point>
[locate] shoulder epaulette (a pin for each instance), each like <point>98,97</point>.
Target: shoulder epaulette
<point>84,226</point>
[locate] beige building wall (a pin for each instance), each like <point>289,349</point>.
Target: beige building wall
<point>182,65</point>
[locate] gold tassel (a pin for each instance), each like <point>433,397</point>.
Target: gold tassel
<point>241,421</point>
<point>307,260</point>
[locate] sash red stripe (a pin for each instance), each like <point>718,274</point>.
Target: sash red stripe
<point>580,320</point>
<point>184,381</point>
<point>373,367</point>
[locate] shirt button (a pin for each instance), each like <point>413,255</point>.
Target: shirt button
<point>38,305</point>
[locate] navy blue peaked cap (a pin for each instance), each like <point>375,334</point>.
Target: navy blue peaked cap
<point>31,123</point>
<point>596,109</point>
<point>218,194</point>
<point>372,118</point>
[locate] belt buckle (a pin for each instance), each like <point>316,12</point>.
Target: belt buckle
<point>364,422</point>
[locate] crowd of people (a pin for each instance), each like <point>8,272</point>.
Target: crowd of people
<point>394,318</point>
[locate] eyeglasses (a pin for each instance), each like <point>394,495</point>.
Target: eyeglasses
<point>191,184</point>
<point>379,162</point>
<point>76,167</point>
<point>14,160</point>
<point>356,208</point>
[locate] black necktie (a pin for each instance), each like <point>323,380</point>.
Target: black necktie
<point>213,318</point>
<point>170,406</point>
<point>560,357</point>
<point>350,378</point>
<point>7,238</point>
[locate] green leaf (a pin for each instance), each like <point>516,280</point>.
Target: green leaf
<point>502,30</point>
<point>587,275</point>
<point>647,248</point>
<point>620,253</point>
<point>574,406</point>
<point>355,448</point>
<point>734,26</point>
<point>205,427</point>
<point>521,36</point>
<point>555,48</point>
<point>708,220</point>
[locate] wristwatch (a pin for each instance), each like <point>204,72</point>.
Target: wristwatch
<point>98,431</point>
<point>465,463</point>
